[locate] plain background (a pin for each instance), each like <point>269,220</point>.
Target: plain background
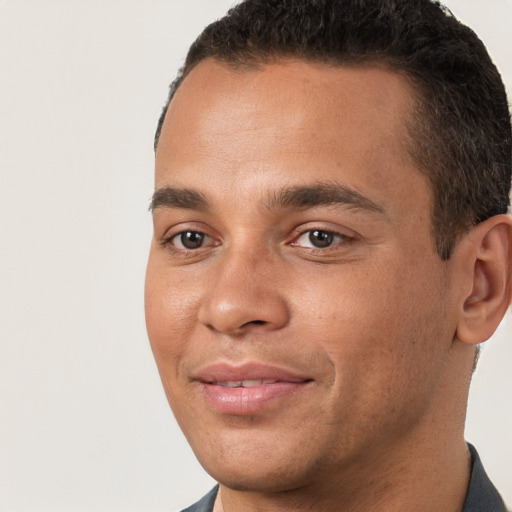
<point>84,425</point>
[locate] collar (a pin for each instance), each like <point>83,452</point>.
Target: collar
<point>482,496</point>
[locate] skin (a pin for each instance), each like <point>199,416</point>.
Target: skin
<point>374,319</point>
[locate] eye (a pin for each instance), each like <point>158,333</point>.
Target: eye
<point>189,240</point>
<point>319,239</point>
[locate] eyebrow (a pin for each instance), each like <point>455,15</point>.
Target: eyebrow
<point>322,194</point>
<point>298,197</point>
<point>178,198</point>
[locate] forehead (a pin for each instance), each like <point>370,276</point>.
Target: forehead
<point>288,88</point>
<point>300,121</point>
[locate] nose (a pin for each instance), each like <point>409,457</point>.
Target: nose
<point>243,295</point>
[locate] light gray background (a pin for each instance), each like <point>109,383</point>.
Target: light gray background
<point>84,425</point>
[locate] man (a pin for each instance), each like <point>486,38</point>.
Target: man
<point>331,245</point>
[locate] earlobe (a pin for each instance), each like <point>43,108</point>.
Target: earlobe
<point>490,296</point>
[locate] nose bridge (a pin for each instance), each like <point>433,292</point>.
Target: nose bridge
<point>243,292</point>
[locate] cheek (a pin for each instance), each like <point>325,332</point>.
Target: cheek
<point>383,359</point>
<point>170,319</point>
<point>171,313</point>
<point>352,301</point>
<point>374,323</point>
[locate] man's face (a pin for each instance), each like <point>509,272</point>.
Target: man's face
<point>299,315</point>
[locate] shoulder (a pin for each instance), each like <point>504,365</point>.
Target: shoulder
<point>205,504</point>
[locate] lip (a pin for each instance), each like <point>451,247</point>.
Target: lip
<point>282,384</point>
<point>221,372</point>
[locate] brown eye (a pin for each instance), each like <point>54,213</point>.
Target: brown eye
<point>321,239</point>
<point>189,240</point>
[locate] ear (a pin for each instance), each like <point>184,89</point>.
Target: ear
<point>491,264</point>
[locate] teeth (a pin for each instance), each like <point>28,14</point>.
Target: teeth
<point>244,383</point>
<point>230,384</point>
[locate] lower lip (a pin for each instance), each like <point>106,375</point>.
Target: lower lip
<point>242,401</point>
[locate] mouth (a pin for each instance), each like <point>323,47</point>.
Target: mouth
<point>250,388</point>
<point>243,383</point>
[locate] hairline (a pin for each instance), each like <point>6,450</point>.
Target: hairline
<point>246,62</point>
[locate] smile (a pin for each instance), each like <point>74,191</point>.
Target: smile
<point>244,383</point>
<point>249,389</point>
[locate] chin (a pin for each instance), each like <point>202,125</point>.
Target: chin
<point>264,481</point>
<point>259,472</point>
